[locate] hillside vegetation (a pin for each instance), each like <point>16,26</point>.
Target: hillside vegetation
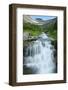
<point>35,30</point>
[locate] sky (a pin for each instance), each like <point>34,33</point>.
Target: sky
<point>43,17</point>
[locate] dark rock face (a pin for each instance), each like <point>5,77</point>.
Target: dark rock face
<point>55,52</point>
<point>29,70</point>
<point>54,43</point>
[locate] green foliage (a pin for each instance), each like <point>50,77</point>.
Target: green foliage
<point>35,30</point>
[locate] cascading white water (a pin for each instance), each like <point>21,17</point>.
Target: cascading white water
<point>39,56</point>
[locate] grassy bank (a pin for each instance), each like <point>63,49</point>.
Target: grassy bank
<point>36,30</point>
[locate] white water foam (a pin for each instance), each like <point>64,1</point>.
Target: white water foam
<point>39,56</point>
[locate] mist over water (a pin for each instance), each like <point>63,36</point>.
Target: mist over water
<point>39,56</point>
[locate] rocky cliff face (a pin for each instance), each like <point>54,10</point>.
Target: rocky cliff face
<point>28,19</point>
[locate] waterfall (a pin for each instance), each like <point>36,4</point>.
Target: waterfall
<point>39,56</point>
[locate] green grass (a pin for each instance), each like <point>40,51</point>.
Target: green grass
<point>36,30</point>
<point>33,32</point>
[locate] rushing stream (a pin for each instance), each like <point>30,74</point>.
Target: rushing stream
<point>39,56</point>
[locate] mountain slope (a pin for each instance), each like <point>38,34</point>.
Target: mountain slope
<point>38,21</point>
<point>36,27</point>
